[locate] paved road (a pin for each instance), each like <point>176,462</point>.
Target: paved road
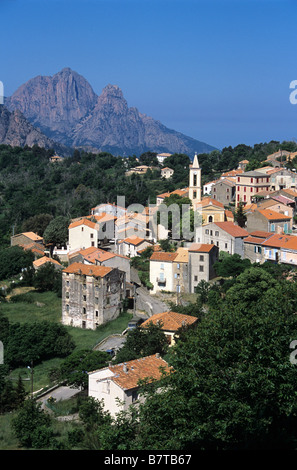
<point>60,393</point>
<point>145,301</point>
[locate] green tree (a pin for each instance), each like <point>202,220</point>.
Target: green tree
<point>142,342</point>
<point>240,215</point>
<point>32,426</point>
<point>74,369</point>
<point>56,233</point>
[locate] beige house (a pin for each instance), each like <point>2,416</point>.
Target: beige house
<point>170,322</point>
<point>167,172</point>
<point>161,271</point>
<point>211,210</point>
<point>118,385</point>
<point>180,271</point>
<point>91,295</point>
<point>83,233</point>
<point>249,184</point>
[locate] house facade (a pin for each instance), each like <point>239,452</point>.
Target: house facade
<point>161,271</point>
<point>91,295</point>
<point>201,260</point>
<point>250,183</point>
<point>118,385</point>
<point>227,236</point>
<point>269,221</point>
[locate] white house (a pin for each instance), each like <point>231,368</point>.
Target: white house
<point>118,385</point>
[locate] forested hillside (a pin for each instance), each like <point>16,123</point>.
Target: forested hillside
<point>31,185</point>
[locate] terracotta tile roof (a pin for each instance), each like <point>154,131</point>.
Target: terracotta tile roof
<point>39,262</point>
<point>85,221</point>
<point>279,240</point>
<point>182,255</point>
<point>291,244</point>
<point>260,234</point>
<point>134,240</point>
<point>149,367</point>
<point>33,236</point>
<point>163,256</point>
<point>170,321</point>
<point>201,247</point>
<point>273,215</point>
<point>208,201</point>
<point>87,270</point>
<point>229,214</point>
<point>254,240</point>
<point>233,229</point>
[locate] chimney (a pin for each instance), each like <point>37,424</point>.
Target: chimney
<point>158,355</point>
<point>125,368</point>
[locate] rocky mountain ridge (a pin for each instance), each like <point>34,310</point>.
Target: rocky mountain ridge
<point>66,109</point>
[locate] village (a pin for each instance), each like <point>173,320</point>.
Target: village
<point>99,280</point>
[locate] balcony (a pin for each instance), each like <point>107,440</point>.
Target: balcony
<point>161,280</point>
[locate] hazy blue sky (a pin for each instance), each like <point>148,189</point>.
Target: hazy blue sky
<point>216,70</point>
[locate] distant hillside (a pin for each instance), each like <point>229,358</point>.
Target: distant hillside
<point>17,131</point>
<point>66,109</point>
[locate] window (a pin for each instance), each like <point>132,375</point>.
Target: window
<point>84,298</point>
<point>195,180</point>
<point>195,278</point>
<point>82,229</point>
<point>91,235</point>
<point>226,245</point>
<point>96,313</point>
<point>207,231</point>
<point>216,233</point>
<point>134,395</point>
<point>162,266</point>
<point>201,269</point>
<point>201,258</point>
<point>178,266</point>
<point>96,300</point>
<point>272,227</point>
<point>84,311</point>
<point>107,300</point>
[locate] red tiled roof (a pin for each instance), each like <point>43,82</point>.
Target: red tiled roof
<point>201,247</point>
<point>279,240</point>
<point>87,270</point>
<point>170,321</point>
<point>260,234</point>
<point>163,256</point>
<point>233,229</point>
<point>86,222</point>
<point>127,375</point>
<point>273,215</point>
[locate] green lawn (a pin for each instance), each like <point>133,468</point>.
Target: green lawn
<point>47,306</point>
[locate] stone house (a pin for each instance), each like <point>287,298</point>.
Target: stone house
<point>118,385</point>
<point>224,191</point>
<point>201,260</point>
<point>91,295</point>
<point>227,236</point>
<point>26,238</point>
<point>269,221</point>
<point>44,260</point>
<point>170,322</point>
<point>253,246</point>
<point>211,210</point>
<point>99,257</point>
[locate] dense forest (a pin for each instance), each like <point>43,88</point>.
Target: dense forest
<point>30,185</point>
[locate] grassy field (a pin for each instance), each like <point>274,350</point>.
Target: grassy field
<point>34,306</point>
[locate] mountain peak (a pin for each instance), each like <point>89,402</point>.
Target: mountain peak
<point>112,90</point>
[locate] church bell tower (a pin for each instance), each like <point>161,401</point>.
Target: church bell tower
<point>195,182</point>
